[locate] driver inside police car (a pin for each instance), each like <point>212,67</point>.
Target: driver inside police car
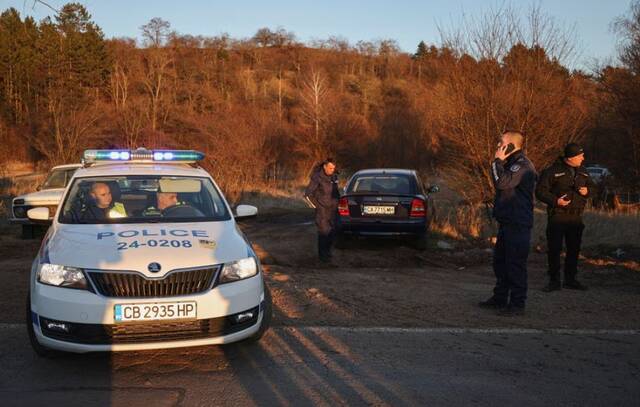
<point>101,205</point>
<point>164,200</point>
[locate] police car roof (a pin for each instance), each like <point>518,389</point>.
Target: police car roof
<point>118,169</point>
<point>386,171</point>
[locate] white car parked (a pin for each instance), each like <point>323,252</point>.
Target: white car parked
<point>48,195</point>
<point>144,253</point>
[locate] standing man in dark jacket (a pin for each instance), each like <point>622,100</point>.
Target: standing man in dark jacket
<point>323,193</point>
<point>514,178</point>
<point>565,187</point>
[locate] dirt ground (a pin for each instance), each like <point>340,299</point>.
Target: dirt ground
<point>389,283</point>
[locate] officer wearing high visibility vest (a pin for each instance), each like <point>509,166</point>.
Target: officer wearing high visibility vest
<point>102,205</point>
<point>164,200</point>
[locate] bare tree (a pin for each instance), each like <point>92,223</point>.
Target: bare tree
<point>157,62</point>
<point>71,127</point>
<point>491,34</point>
<point>129,117</point>
<point>505,78</point>
<point>156,32</point>
<point>628,30</point>
<point>313,94</point>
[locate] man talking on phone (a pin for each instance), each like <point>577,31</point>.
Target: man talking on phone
<point>514,178</point>
<point>565,187</point>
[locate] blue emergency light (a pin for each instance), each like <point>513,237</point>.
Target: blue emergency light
<point>142,155</point>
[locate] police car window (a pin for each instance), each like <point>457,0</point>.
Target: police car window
<point>383,184</point>
<point>142,199</point>
<point>68,174</point>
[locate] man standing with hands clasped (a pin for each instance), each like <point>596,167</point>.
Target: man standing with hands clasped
<point>565,187</point>
<point>322,192</point>
<point>514,178</point>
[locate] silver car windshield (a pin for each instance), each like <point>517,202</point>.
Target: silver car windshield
<point>58,178</point>
<point>143,199</point>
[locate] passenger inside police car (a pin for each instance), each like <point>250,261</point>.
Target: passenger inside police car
<point>100,204</point>
<point>170,204</point>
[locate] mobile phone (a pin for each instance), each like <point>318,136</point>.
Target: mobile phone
<point>510,148</point>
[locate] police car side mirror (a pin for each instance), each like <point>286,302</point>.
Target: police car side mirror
<point>40,214</point>
<point>246,211</point>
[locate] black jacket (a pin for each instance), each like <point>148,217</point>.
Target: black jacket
<point>323,189</point>
<point>514,180</point>
<point>560,179</point>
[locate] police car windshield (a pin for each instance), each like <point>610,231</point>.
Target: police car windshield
<point>142,199</point>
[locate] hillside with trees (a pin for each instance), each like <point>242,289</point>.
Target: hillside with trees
<point>266,108</point>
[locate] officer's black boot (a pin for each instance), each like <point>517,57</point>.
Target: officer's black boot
<point>492,303</point>
<point>555,236</point>
<point>330,239</point>
<point>554,285</point>
<point>575,285</point>
<point>323,248</point>
<point>511,311</point>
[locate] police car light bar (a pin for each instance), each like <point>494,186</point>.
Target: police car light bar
<point>142,155</point>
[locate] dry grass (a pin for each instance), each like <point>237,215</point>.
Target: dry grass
<point>603,228</point>
<point>268,198</point>
<point>612,228</point>
<point>14,168</point>
<point>14,186</point>
<point>461,222</point>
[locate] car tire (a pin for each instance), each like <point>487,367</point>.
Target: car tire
<point>40,350</point>
<point>266,318</point>
<point>420,242</point>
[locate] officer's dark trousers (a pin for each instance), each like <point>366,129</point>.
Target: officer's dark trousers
<point>510,264</point>
<point>569,231</point>
<point>325,221</point>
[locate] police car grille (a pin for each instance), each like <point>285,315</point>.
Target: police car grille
<point>135,285</point>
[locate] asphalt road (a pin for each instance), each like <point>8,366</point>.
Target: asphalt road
<point>329,346</point>
<point>341,366</point>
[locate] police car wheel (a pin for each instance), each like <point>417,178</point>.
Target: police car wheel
<point>266,318</point>
<point>40,350</point>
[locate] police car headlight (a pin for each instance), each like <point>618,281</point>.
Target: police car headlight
<point>239,270</point>
<point>61,276</point>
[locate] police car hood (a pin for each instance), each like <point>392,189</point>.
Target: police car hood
<point>133,247</point>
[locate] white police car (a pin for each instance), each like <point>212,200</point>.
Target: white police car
<point>144,253</point>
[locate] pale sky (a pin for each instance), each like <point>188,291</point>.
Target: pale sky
<point>408,22</point>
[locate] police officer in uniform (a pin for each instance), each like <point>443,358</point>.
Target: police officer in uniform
<point>514,178</point>
<point>565,187</point>
<point>164,200</point>
<point>101,205</point>
<point>323,193</point>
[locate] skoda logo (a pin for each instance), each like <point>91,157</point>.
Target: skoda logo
<point>154,267</point>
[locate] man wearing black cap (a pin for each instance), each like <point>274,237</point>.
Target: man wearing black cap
<point>565,187</point>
